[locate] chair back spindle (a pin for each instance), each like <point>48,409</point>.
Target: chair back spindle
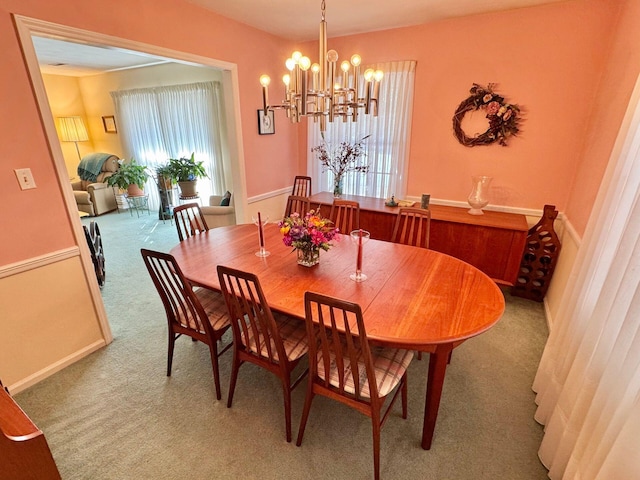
<point>345,215</point>
<point>412,227</point>
<point>189,220</point>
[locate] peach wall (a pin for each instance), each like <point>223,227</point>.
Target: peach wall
<point>268,158</point>
<point>548,59</point>
<point>609,105</point>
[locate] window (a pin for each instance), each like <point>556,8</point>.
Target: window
<point>388,146</point>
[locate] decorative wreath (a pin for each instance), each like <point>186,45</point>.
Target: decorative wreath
<point>503,117</point>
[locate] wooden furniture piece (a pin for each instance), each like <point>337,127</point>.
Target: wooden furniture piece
<point>301,186</point>
<point>413,226</point>
<point>539,258</point>
<point>200,314</point>
<point>345,215</point>
<point>414,298</point>
<point>94,240</point>
<point>189,220</point>
<point>492,242</point>
<point>298,204</point>
<point>343,367</point>
<point>24,451</point>
<point>274,342</point>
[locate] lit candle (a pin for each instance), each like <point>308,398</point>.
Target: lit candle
<point>359,262</point>
<point>260,233</point>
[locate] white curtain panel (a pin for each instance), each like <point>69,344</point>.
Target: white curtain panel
<point>171,122</point>
<point>588,382</point>
<point>387,148</point>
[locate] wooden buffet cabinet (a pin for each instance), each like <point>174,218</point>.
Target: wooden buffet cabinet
<point>493,242</point>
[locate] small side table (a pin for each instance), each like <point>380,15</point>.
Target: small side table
<point>189,199</point>
<point>138,203</point>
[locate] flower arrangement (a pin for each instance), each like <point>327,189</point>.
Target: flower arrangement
<point>308,235</point>
<point>343,158</point>
<point>503,117</point>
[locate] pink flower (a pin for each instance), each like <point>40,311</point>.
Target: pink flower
<point>493,108</point>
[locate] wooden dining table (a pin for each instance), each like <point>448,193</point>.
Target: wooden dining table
<point>413,298</point>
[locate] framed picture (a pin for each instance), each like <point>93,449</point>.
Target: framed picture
<point>266,123</point>
<point>109,123</point>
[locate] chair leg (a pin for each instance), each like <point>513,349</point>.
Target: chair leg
<point>234,377</point>
<point>375,419</point>
<point>403,394</point>
<point>287,409</point>
<point>172,342</point>
<point>305,413</point>
<point>213,350</point>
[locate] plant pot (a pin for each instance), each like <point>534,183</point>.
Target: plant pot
<point>188,189</point>
<point>134,191</point>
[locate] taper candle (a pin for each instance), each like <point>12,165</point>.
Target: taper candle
<point>359,261</point>
<point>260,233</point>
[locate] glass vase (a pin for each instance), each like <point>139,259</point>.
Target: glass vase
<point>308,257</point>
<point>479,196</point>
<point>337,187</point>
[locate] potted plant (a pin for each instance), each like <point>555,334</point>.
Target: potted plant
<point>165,181</point>
<point>186,171</point>
<point>131,176</point>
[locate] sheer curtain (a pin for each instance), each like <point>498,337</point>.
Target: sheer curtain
<point>170,122</point>
<point>387,148</point>
<point>588,382</point>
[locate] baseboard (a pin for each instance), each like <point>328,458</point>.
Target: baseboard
<point>54,367</point>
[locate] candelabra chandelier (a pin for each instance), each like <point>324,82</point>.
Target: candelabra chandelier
<point>323,93</point>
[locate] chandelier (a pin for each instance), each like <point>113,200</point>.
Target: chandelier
<point>319,91</point>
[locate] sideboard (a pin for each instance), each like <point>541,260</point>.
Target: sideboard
<point>493,242</point>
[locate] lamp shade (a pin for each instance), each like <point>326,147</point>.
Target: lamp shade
<point>72,129</point>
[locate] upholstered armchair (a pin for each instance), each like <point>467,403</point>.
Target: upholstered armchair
<point>217,215</point>
<point>96,197</point>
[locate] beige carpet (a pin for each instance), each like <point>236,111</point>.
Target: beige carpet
<point>115,415</point>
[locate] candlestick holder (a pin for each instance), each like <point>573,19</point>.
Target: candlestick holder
<point>261,222</point>
<point>359,238</point>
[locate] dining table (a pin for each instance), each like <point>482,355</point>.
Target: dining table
<point>413,298</point>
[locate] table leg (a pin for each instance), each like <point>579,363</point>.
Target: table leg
<point>435,381</point>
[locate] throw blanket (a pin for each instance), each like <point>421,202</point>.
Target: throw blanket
<point>91,165</point>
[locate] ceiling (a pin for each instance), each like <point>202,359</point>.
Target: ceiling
<point>296,20</point>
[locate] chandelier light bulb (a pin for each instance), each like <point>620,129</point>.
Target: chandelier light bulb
<point>332,56</point>
<point>345,66</point>
<point>265,80</point>
<point>305,63</point>
<point>378,75</point>
<point>315,68</point>
<point>296,56</point>
<point>356,60</point>
<point>286,79</point>
<point>368,74</point>
<point>290,63</point>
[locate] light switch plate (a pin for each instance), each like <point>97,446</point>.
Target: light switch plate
<point>25,178</point>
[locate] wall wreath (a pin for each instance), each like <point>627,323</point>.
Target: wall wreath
<point>503,117</point>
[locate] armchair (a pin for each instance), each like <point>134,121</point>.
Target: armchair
<point>216,215</point>
<point>96,198</point>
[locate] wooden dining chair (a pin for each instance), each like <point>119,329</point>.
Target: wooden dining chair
<point>269,340</point>
<point>301,186</point>
<point>296,203</point>
<point>189,220</point>
<point>412,227</point>
<point>344,367</point>
<point>345,215</point>
<point>198,313</point>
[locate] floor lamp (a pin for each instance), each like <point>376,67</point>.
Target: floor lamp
<point>72,129</point>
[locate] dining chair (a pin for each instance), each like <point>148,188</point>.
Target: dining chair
<point>412,227</point>
<point>198,313</point>
<point>344,367</point>
<point>296,203</point>
<point>345,215</point>
<point>189,220</point>
<point>301,186</point>
<point>269,340</point>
